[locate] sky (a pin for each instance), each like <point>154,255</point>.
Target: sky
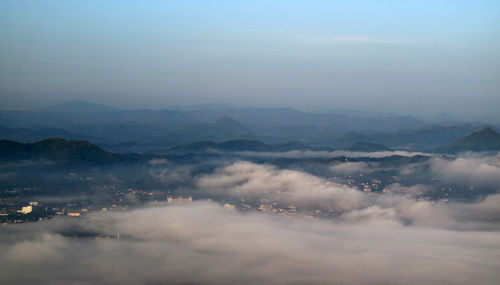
<point>409,57</point>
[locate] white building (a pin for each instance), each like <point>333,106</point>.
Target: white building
<point>229,207</point>
<point>25,210</point>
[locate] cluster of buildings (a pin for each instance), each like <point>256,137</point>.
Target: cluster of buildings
<point>179,199</point>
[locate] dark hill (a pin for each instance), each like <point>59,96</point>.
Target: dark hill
<point>10,150</point>
<point>56,149</point>
<point>485,139</point>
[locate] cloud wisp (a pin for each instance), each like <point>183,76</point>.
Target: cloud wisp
<point>481,171</point>
<point>326,154</point>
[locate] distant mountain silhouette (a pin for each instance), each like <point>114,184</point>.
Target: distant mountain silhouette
<point>227,123</point>
<point>353,137</point>
<point>425,138</point>
<point>200,146</point>
<point>78,106</point>
<point>243,145</point>
<point>239,145</point>
<point>269,117</point>
<point>106,125</point>
<point>484,139</point>
<point>367,147</point>
<point>221,130</point>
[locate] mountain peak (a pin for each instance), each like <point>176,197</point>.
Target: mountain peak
<point>485,132</point>
<point>484,139</point>
<point>228,123</point>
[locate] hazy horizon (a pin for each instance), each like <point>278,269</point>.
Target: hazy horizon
<point>413,57</point>
<point>431,118</point>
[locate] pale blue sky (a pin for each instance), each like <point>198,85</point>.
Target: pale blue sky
<point>399,56</point>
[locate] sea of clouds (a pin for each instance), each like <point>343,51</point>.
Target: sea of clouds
<point>389,238</point>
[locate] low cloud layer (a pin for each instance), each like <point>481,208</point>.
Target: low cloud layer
<point>245,180</point>
<point>266,183</point>
<point>326,154</point>
<point>481,171</point>
<point>201,243</point>
<point>359,238</point>
<point>171,175</point>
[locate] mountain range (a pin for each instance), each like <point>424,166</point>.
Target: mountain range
<point>57,149</point>
<point>147,130</point>
<point>78,106</point>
